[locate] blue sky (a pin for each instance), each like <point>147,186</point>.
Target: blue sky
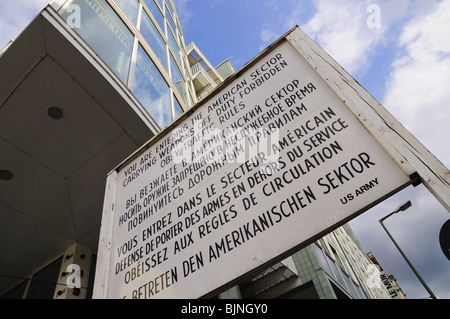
<point>404,62</point>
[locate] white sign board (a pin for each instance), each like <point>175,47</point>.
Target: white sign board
<point>269,162</point>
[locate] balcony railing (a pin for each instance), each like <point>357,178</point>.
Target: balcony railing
<point>198,68</point>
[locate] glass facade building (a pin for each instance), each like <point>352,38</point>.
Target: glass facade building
<point>143,43</point>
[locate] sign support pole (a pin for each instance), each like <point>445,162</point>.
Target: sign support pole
<point>432,295</point>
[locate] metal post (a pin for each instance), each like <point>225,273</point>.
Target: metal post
<point>402,208</point>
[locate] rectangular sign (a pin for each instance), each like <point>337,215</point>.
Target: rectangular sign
<point>269,162</point>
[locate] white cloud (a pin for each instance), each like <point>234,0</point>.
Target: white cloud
<point>418,89</point>
<point>417,95</point>
<point>341,28</point>
<point>183,11</point>
<point>348,30</point>
<point>268,36</point>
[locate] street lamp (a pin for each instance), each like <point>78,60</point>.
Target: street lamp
<point>401,208</point>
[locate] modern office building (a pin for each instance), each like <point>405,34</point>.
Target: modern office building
<point>89,82</point>
<point>395,291</point>
<point>205,77</point>
<point>334,267</point>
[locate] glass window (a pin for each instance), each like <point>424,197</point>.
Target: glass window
<point>337,274</point>
<point>180,28</point>
<point>177,79</point>
<point>180,39</point>
<point>172,24</point>
<point>178,109</point>
<point>174,45</point>
<point>154,40</point>
<point>155,12</point>
<point>107,34</point>
<point>43,283</point>
<point>131,9</point>
<point>360,292</point>
<point>151,89</point>
<point>322,260</point>
<point>169,6</point>
<point>186,71</point>
<point>352,288</point>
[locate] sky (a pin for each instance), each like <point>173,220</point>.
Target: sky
<point>398,50</point>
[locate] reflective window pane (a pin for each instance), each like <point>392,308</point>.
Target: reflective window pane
<point>177,79</point>
<point>106,33</point>
<point>43,283</point>
<point>154,40</point>
<point>169,7</point>
<point>322,259</point>
<point>178,109</point>
<point>155,12</point>
<point>186,71</point>
<point>337,273</point>
<point>351,287</point>
<point>360,292</point>
<point>151,89</point>
<point>131,9</point>
<point>172,24</point>
<point>174,45</point>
